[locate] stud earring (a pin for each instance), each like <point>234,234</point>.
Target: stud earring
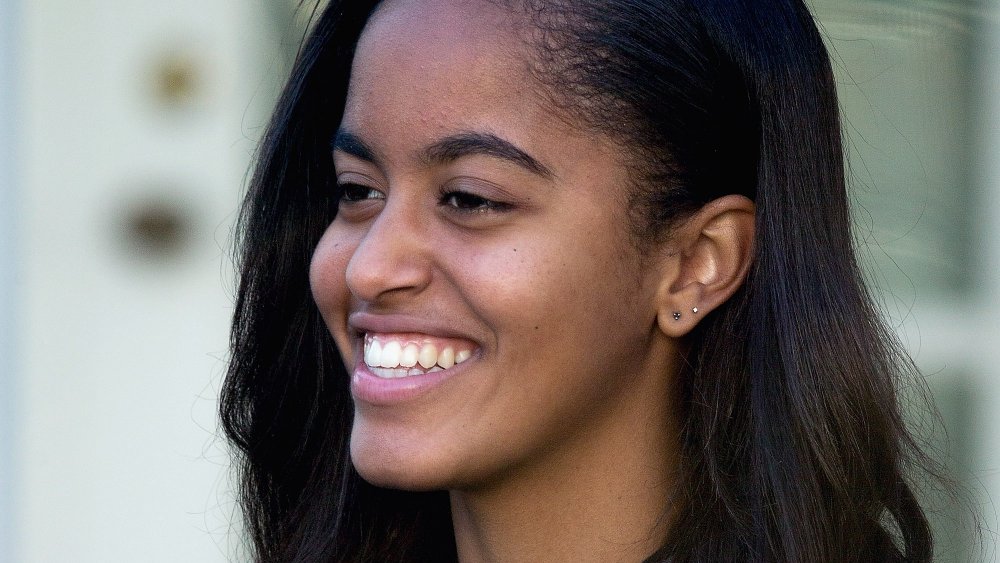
<point>695,310</point>
<point>677,316</point>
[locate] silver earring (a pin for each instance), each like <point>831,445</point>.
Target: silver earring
<point>695,310</point>
<point>677,316</point>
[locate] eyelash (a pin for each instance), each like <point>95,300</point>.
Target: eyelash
<point>460,201</point>
<point>345,196</point>
<point>454,199</point>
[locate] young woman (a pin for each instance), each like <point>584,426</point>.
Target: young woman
<point>562,281</point>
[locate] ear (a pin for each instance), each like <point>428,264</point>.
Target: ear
<point>705,261</point>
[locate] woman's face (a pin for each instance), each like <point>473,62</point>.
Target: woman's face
<point>479,278</point>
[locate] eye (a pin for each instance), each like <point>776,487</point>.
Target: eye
<point>354,193</point>
<point>471,203</point>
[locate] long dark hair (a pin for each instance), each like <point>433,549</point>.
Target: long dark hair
<point>793,446</point>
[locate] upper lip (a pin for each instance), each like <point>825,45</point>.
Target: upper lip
<point>363,322</point>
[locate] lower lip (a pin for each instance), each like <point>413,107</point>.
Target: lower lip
<point>372,389</point>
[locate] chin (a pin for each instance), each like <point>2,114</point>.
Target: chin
<point>396,464</point>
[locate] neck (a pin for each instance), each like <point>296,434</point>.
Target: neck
<point>604,497</point>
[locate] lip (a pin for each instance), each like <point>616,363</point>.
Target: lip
<point>366,387</point>
<point>362,322</point>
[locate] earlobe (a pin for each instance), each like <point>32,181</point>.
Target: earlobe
<point>711,254</point>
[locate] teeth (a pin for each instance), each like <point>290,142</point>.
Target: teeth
<point>409,357</point>
<point>447,358</point>
<point>373,353</point>
<point>428,356</point>
<point>388,373</point>
<point>398,359</point>
<point>390,355</point>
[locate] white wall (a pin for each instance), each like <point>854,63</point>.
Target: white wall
<point>8,10</point>
<point>919,88</point>
<point>988,307</point>
<point>121,347</point>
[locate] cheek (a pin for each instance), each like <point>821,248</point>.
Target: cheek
<point>560,288</point>
<point>327,278</point>
<point>569,317</point>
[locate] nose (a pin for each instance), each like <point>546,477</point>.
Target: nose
<point>392,257</point>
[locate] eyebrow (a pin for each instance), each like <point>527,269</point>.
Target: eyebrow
<point>449,149</point>
<point>472,143</point>
<point>349,143</point>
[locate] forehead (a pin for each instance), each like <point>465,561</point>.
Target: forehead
<point>425,70</point>
<point>439,62</point>
<point>470,21</point>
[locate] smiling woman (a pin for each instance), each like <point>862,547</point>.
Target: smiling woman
<point>575,284</point>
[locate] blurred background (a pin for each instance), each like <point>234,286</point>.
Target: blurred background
<point>126,132</point>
